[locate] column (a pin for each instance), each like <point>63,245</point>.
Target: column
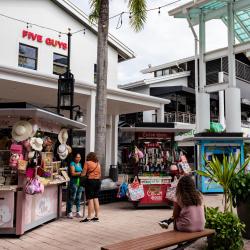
<point>115,120</point>
<point>108,143</point>
<point>160,113</point>
<point>90,130</point>
<point>221,102</point>
<point>202,99</point>
<point>232,94</point>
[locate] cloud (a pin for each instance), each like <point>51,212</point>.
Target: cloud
<point>162,40</point>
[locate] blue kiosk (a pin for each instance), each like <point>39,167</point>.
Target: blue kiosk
<point>217,144</point>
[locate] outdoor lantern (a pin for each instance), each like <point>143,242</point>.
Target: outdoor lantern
<point>65,91</point>
<point>79,116</point>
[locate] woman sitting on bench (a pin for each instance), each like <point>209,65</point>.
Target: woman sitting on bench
<point>188,214</point>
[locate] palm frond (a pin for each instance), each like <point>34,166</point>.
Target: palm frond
<point>138,14</point>
<point>95,10</point>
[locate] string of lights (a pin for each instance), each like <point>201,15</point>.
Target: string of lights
<point>118,26</point>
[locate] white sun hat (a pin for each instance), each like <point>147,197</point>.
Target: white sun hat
<point>21,131</point>
<point>62,151</point>
<point>63,136</point>
<point>36,143</point>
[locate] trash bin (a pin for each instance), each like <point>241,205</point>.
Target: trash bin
<point>113,172</point>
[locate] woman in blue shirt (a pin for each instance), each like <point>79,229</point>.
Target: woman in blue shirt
<point>75,190</point>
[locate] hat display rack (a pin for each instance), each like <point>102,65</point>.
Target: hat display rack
<point>33,151</point>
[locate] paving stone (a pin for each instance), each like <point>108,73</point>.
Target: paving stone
<point>118,221</point>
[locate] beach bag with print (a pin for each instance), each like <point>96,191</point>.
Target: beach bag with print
<point>135,191</point>
<point>171,191</point>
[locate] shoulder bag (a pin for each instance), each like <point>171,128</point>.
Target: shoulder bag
<point>84,179</point>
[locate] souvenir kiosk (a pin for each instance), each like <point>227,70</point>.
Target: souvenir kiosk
<point>157,166</point>
<point>25,133</point>
<point>216,144</point>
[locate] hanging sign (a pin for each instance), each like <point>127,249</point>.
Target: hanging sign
<point>41,39</point>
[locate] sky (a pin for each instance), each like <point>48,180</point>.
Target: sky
<point>163,39</point>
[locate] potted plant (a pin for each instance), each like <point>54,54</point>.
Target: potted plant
<point>224,223</point>
<point>240,189</point>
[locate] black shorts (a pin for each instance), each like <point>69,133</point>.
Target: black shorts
<point>92,188</point>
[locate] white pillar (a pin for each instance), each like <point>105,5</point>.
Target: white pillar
<point>108,143</point>
<point>160,114</point>
<point>114,148</point>
<point>203,112</point>
<point>202,98</point>
<point>232,94</point>
<point>90,130</point>
<point>221,102</point>
<point>233,110</point>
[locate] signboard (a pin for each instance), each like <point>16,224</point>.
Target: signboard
<point>153,135</point>
<point>41,39</point>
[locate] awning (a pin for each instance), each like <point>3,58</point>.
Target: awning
<point>217,9</point>
<point>47,121</point>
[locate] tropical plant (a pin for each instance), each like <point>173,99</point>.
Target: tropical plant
<point>100,13</point>
<point>228,230</point>
<point>224,173</point>
<point>240,188</point>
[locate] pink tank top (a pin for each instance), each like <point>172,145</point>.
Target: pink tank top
<point>191,219</point>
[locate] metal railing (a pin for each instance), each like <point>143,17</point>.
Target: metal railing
<point>179,117</point>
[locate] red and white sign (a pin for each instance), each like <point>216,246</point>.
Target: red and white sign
<point>41,39</point>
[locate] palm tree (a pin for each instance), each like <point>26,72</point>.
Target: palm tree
<point>100,13</point>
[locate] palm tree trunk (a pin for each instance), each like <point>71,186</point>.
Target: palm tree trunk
<point>101,88</point>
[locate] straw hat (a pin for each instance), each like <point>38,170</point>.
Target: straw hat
<point>36,143</point>
<point>63,136</point>
<point>21,131</point>
<point>62,151</point>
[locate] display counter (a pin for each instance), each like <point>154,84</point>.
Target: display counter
<point>20,212</point>
<point>155,191</point>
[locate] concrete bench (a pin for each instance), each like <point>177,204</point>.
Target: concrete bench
<point>160,240</point>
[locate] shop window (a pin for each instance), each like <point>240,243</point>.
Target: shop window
<point>95,73</point>
<point>27,56</point>
<point>60,63</point>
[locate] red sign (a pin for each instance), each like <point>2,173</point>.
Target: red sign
<point>154,135</point>
<point>40,39</point>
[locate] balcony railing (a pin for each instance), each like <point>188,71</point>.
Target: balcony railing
<point>180,117</point>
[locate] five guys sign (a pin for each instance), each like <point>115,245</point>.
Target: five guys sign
<point>40,39</point>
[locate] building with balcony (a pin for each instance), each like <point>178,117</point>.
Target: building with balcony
<point>176,82</point>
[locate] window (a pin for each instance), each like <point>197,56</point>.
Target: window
<point>158,73</point>
<point>95,73</point>
<point>27,56</point>
<point>166,72</point>
<point>60,64</point>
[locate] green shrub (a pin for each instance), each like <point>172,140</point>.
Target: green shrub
<point>228,230</point>
<point>240,188</point>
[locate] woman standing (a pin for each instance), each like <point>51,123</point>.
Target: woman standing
<point>75,190</point>
<point>92,169</point>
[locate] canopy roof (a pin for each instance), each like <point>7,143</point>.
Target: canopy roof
<point>217,9</point>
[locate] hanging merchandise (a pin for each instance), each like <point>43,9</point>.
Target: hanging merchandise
<point>135,191</point>
<point>21,131</point>
<point>34,186</point>
<point>63,136</point>
<point>171,191</point>
<point>62,151</point>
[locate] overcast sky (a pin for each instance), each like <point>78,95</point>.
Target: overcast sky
<point>163,39</point>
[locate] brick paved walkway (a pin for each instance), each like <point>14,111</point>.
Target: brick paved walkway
<point>119,221</point>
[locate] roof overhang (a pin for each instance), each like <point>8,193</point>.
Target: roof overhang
<point>124,52</point>
<point>37,115</point>
<point>16,84</point>
<point>194,8</point>
<point>152,129</point>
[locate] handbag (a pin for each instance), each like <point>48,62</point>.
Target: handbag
<point>135,190</point>
<point>34,186</point>
<point>84,179</point>
<point>170,193</point>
